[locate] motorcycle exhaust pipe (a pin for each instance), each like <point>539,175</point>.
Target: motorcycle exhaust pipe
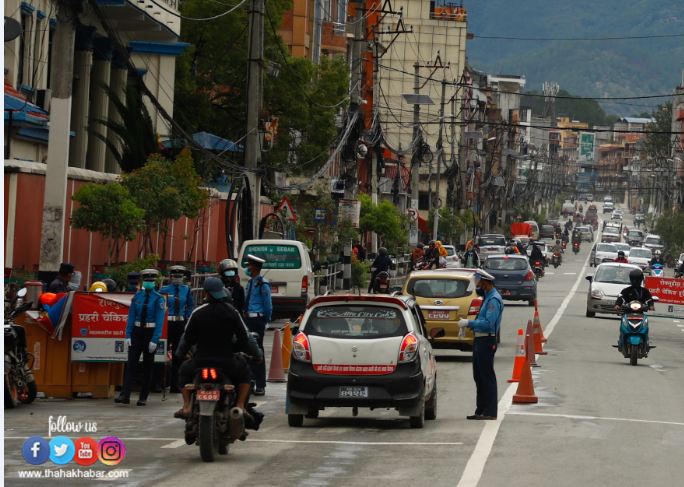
<point>236,423</point>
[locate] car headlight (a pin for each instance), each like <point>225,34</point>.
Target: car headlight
<point>597,294</point>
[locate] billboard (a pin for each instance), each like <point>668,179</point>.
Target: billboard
<point>586,145</point>
<point>670,293</point>
<point>451,10</point>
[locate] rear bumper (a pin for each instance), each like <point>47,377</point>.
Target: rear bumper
<point>402,389</point>
<point>288,307</point>
<point>524,292</point>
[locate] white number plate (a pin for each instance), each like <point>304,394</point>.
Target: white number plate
<point>208,395</point>
<point>353,392</point>
<point>438,315</point>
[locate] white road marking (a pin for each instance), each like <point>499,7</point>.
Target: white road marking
<point>473,470</point>
<point>569,273</point>
<point>174,444</point>
<point>676,321</point>
<point>595,418</point>
<point>362,443</point>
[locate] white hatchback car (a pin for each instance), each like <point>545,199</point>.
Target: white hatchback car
<point>363,351</point>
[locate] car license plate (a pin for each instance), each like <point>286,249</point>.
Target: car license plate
<point>274,289</point>
<point>506,292</point>
<point>438,315</point>
<point>353,392</point>
<point>212,395</point>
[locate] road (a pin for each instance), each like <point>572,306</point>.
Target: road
<point>599,421</point>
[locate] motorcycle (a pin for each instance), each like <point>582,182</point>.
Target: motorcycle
<point>538,268</point>
<point>556,260</point>
<point>564,245</point>
<point>214,422</point>
<point>20,385</point>
<point>633,342</point>
<point>381,284</point>
<point>576,247</point>
<point>657,270</point>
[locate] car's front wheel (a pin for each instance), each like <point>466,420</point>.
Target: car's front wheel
<point>295,420</point>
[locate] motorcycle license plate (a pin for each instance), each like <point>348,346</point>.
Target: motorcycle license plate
<point>208,395</point>
<point>353,392</point>
<point>274,289</point>
<point>438,315</point>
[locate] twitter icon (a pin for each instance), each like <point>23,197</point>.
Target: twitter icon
<point>61,450</point>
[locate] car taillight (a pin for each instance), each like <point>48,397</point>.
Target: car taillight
<point>475,305</point>
<point>300,348</point>
<point>305,285</point>
<point>408,351</point>
<point>529,276</point>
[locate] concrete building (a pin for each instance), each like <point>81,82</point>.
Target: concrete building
<point>678,145</point>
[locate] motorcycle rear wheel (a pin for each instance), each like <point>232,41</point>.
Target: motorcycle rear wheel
<point>208,439</point>
<point>30,393</point>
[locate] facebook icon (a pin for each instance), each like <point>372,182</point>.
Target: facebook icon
<point>36,450</point>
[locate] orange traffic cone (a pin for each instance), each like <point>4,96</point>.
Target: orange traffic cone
<point>525,393</point>
<point>538,323</point>
<point>287,346</point>
<point>275,371</point>
<point>519,361</point>
<point>529,345</point>
<point>537,335</point>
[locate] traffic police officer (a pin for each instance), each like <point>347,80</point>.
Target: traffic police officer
<point>486,327</point>
<point>143,330</point>
<point>258,310</point>
<point>179,301</point>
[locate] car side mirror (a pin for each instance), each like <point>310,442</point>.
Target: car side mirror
<point>589,278</point>
<point>436,333</point>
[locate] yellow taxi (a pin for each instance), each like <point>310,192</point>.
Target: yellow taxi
<point>444,297</point>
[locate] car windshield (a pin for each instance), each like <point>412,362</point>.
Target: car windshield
<point>634,233</point>
<point>355,321</point>
<point>276,256</point>
<point>492,240</point>
<point>606,248</point>
<point>450,250</point>
<point>612,230</point>
<point>640,253</point>
<point>652,240</point>
<point>506,264</point>
<point>622,246</point>
<point>438,288</point>
<point>613,275</point>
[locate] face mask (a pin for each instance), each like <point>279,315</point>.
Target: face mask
<point>479,291</point>
<point>248,271</point>
<point>148,285</point>
<point>230,273</point>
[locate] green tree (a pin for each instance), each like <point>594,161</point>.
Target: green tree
<point>386,220</point>
<point>165,190</point>
<point>450,225</point>
<point>671,228</point>
<point>658,145</point>
<point>108,209</point>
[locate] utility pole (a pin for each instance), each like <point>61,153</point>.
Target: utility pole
<point>52,228</point>
<point>317,27</point>
<point>440,154</point>
<point>415,165</point>
<point>254,102</point>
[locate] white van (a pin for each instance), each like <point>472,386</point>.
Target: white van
<point>288,269</point>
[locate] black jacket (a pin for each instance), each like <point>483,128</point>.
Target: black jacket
<point>57,286</point>
<point>382,263</point>
<point>632,293</point>
<point>237,293</point>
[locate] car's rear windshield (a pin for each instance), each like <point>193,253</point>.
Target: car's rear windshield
<point>438,288</point>
<point>634,233</point>
<point>504,264</point>
<point>641,253</point>
<point>612,230</point>
<point>277,256</point>
<point>613,275</point>
<point>606,248</point>
<point>493,241</point>
<point>547,228</point>
<point>653,240</point>
<point>355,321</point>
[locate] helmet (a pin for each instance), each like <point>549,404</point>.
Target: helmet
<point>177,273</point>
<point>431,243</point>
<point>621,253</point>
<point>558,242</point>
<point>98,287</point>
<point>636,277</point>
<point>419,245</point>
<point>657,253</point>
<point>111,285</point>
<point>228,270</point>
<point>382,251</point>
<point>509,251</point>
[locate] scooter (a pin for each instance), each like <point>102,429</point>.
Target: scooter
<point>576,247</point>
<point>538,268</point>
<point>657,270</point>
<point>633,342</point>
<point>556,260</point>
<point>382,283</point>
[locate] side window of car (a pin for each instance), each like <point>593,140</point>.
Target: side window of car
<point>418,318</point>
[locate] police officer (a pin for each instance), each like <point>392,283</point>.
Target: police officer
<point>179,301</point>
<point>143,330</point>
<point>258,310</point>
<point>486,327</point>
<point>228,271</point>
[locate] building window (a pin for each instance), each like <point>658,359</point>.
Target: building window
<point>38,52</point>
<point>423,201</point>
<point>24,48</point>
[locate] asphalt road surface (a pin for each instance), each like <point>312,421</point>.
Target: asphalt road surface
<point>599,421</point>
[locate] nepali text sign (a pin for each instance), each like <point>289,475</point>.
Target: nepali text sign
<point>349,210</point>
<point>98,328</point>
<point>670,294</point>
<point>586,146</point>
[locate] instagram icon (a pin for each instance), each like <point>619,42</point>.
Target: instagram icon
<point>111,450</point>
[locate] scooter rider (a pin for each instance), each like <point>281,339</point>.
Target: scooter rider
<point>657,259</point>
<point>381,263</point>
<point>635,292</point>
<point>143,331</point>
<point>217,332</point>
<point>228,270</point>
<point>557,251</point>
<point>536,254</point>
<point>432,255</point>
<point>621,259</point>
<point>179,300</point>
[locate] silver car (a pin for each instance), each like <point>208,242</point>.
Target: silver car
<point>602,252</point>
<point>654,242</point>
<point>605,286</point>
<point>640,256</point>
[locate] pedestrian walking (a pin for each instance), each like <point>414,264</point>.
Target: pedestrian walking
<point>143,331</point>
<point>180,304</point>
<point>258,310</point>
<point>486,327</point>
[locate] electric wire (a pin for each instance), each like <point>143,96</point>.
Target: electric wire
<point>200,19</point>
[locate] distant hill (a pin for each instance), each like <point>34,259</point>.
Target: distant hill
<point>609,68</point>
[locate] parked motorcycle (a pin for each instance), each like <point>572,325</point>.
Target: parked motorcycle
<point>20,385</point>
<point>576,247</point>
<point>633,342</point>
<point>538,268</point>
<point>657,270</point>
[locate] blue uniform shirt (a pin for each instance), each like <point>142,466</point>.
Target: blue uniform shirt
<point>182,294</point>
<point>489,318</point>
<point>156,309</point>
<point>258,297</point>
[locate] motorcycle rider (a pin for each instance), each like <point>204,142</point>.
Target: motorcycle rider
<point>381,263</point>
<point>568,225</point>
<point>228,270</point>
<point>471,259</point>
<point>179,300</point>
<point>417,254</point>
<point>621,259</point>
<point>634,292</point>
<point>143,331</point>
<point>536,254</point>
<point>217,332</point>
<point>432,255</point>
<point>657,259</point>
<point>557,251</point>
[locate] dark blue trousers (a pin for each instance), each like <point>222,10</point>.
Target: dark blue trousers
<point>484,349</point>
<point>258,325</point>
<point>140,341</point>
